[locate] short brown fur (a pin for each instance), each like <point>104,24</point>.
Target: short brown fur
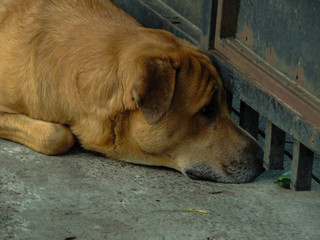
<point>85,68</point>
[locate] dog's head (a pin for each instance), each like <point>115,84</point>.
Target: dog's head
<point>182,119</point>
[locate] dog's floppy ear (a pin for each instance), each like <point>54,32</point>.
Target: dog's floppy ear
<point>154,87</point>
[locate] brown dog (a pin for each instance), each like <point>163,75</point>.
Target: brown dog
<point>85,68</point>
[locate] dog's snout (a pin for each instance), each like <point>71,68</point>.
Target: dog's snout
<point>193,174</point>
<point>254,155</point>
<point>238,169</point>
<point>256,151</point>
<point>200,172</point>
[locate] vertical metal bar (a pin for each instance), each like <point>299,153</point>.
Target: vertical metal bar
<point>302,161</point>
<point>249,119</point>
<point>275,140</point>
<point>208,22</point>
<point>229,100</point>
<point>218,12</point>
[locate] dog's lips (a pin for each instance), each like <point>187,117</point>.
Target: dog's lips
<point>203,172</point>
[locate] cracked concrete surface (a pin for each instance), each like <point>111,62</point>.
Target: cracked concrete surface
<point>83,195</point>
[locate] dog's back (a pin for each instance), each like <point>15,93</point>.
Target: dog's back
<point>52,40</point>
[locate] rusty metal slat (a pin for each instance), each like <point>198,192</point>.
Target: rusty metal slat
<point>274,147</point>
<point>267,105</point>
<point>249,119</point>
<point>302,162</point>
<point>268,80</point>
<point>262,74</point>
<point>157,14</point>
<point>260,85</point>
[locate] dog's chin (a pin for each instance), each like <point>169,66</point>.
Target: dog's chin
<point>203,172</point>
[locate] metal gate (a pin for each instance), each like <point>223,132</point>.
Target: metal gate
<point>267,54</point>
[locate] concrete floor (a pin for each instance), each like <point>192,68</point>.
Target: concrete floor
<point>82,195</point>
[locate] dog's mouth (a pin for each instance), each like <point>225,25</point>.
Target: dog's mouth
<point>201,172</point>
<point>204,172</point>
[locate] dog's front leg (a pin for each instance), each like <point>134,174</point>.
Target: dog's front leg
<point>44,137</point>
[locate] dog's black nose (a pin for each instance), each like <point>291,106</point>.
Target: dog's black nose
<point>256,152</point>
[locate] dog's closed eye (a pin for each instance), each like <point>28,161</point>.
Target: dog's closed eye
<point>208,111</point>
<point>211,109</point>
